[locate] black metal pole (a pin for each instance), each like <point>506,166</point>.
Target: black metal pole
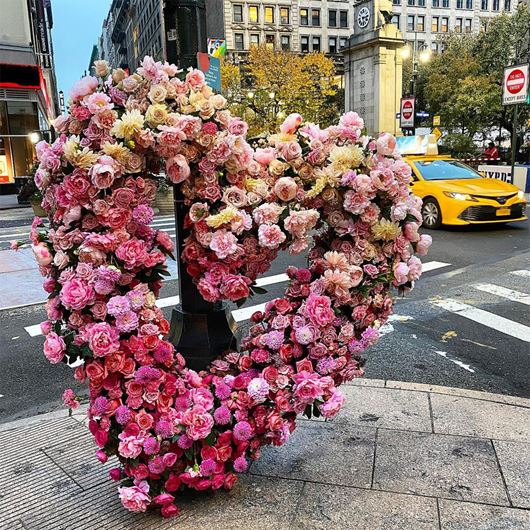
<point>200,330</point>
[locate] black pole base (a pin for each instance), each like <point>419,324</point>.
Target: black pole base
<point>202,337</point>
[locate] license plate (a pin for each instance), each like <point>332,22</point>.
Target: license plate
<point>503,212</point>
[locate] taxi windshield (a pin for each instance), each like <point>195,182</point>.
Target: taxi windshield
<point>445,170</point>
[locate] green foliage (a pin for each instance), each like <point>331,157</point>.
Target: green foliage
<point>459,145</point>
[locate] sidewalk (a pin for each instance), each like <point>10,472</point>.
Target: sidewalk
<point>8,202</point>
<point>400,456</point>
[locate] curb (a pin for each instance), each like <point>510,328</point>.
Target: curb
<point>374,383</point>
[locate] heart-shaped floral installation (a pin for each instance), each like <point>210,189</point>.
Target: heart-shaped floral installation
<point>343,196</point>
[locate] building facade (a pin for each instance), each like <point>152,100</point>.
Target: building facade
<point>304,26</point>
<point>28,87</point>
<point>424,21</point>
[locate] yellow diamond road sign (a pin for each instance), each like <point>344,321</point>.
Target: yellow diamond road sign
<point>437,133</point>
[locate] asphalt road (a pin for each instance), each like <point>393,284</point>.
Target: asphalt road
<point>466,324</point>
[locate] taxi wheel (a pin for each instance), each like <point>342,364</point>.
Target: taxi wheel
<point>431,213</point>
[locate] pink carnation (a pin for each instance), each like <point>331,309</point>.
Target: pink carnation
<point>135,498</point>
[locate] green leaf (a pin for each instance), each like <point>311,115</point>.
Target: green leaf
<point>258,290</point>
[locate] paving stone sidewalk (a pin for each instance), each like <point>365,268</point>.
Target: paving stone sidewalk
<point>400,456</point>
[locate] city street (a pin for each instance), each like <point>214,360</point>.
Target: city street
<point>464,325</point>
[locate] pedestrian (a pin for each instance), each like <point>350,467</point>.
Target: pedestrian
<point>491,153</point>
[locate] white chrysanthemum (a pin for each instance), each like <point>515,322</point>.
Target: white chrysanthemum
<point>346,157</point>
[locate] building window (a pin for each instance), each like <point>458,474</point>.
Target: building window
<point>496,5</point>
<point>237,12</point>
<point>286,42</point>
<point>344,19</point>
<point>411,2</point>
<point>316,44</point>
<point>304,17</point>
<point>284,15</point>
<point>315,17</point>
<point>445,3</point>
<point>458,25</point>
<point>304,43</point>
<point>269,41</point>
<point>469,4</point>
<point>343,42</point>
<point>484,5</point>
<point>269,15</point>
<point>459,4</point>
<point>332,18</point>
<point>254,39</point>
<point>435,3</point>
<point>332,45</point>
<point>507,5</point>
<point>435,25</point>
<point>420,23</point>
<point>410,23</point>
<point>395,20</point>
<point>445,24</point>
<point>434,47</point>
<point>238,41</point>
<point>253,14</point>
<point>421,3</point>
<point>396,2</point>
<point>468,25</point>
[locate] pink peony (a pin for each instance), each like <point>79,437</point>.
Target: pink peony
<point>198,423</point>
<point>291,123</point>
<point>401,271</point>
<point>265,156</point>
<point>76,294</point>
<point>423,244</point>
<point>386,144</point>
<point>318,309</point>
<point>332,406</point>
<point>235,287</point>
<point>84,87</point>
<point>54,347</point>
<point>103,339</point>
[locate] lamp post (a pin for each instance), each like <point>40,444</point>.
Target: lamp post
<point>200,330</point>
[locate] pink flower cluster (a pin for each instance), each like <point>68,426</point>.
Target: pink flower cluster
<point>341,196</point>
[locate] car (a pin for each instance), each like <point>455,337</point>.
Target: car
<point>455,194</point>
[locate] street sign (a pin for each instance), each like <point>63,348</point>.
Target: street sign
<point>406,120</point>
<point>435,121</point>
<point>437,133</point>
<point>422,114</point>
<point>211,66</point>
<point>217,47</point>
<point>515,85</point>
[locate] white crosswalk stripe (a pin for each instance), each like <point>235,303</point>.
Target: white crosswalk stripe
<point>433,265</point>
<point>509,294</point>
<point>491,320</point>
<point>524,273</point>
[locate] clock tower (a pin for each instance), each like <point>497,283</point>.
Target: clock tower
<point>373,66</point>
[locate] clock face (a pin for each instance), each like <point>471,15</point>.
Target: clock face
<point>363,17</point>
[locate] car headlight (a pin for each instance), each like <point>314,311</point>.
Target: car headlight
<point>459,196</point>
<point>520,195</point>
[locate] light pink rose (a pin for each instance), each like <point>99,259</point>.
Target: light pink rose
<point>351,119</point>
<point>177,169</point>
<point>270,236</point>
<point>411,231</point>
<point>332,406</point>
<point>54,347</point>
<point>135,498</point>
<point>42,254</point>
<point>423,244</point>
<point>307,387</point>
<point>401,272</point>
<point>291,123</point>
<point>386,144</point>
<point>198,423</point>
<point>84,87</point>
<point>285,188</point>
<point>414,265</point>
<point>265,156</point>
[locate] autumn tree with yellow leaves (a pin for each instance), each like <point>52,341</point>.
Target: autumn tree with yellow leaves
<point>273,84</point>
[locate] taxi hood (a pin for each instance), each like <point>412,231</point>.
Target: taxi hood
<point>478,186</point>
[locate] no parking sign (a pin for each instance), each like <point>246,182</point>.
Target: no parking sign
<point>515,85</point>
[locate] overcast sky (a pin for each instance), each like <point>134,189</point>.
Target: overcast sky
<point>76,28</point>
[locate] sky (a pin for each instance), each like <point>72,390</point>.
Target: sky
<point>76,28</point>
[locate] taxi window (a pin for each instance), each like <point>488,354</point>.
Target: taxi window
<point>445,170</point>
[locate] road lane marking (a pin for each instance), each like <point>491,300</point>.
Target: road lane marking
<point>456,361</point>
<point>269,280</point>
<point>496,322</point>
<point>510,294</point>
<point>525,274</point>
<point>433,265</point>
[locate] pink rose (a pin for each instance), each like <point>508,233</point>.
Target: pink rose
<point>414,265</point>
<point>54,347</point>
<point>307,387</point>
<point>265,156</point>
<point>103,339</point>
<point>318,309</point>
<point>386,144</point>
<point>401,272</point>
<point>351,119</point>
<point>135,498</point>
<point>133,253</point>
<point>291,123</point>
<point>270,236</point>
<point>235,287</point>
<point>177,169</point>
<point>84,87</point>
<point>198,423</point>
<point>332,406</point>
<point>411,231</point>
<point>42,254</point>
<point>285,188</point>
<point>76,294</point>
<point>423,244</point>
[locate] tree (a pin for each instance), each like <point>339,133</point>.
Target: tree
<point>273,84</point>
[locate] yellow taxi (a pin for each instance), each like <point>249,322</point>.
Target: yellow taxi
<point>456,194</point>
